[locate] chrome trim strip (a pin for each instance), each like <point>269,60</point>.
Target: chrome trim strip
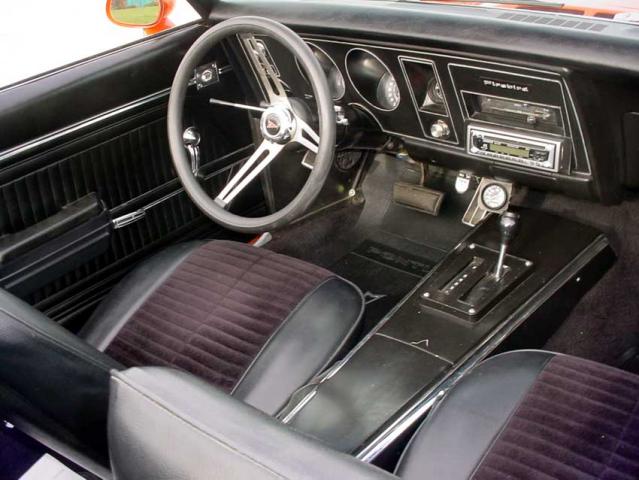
<point>412,345</point>
<point>299,406</point>
<point>38,142</point>
<point>138,214</point>
<point>472,358</point>
<point>579,129</point>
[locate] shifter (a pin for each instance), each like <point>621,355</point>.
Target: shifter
<point>191,139</point>
<point>474,278</point>
<point>508,223</point>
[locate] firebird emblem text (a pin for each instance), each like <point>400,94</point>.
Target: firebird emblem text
<point>506,85</point>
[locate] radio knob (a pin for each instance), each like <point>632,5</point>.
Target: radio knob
<point>439,129</point>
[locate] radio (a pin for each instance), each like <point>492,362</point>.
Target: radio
<point>531,151</point>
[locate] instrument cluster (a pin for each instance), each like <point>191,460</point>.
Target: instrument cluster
<point>490,118</point>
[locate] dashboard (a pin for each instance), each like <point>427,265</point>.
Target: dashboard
<point>553,125</point>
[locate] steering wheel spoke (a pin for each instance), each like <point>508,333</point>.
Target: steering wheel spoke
<point>306,136</point>
<point>267,75</point>
<point>261,158</point>
<point>279,125</point>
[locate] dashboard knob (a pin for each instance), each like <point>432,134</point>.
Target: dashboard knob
<point>439,129</point>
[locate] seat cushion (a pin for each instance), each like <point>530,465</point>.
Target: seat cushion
<point>531,415</point>
<point>221,311</point>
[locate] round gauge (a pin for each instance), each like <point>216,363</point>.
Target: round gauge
<point>494,196</point>
<point>336,83</point>
<point>434,98</point>
<point>435,92</point>
<point>372,79</point>
<point>388,92</point>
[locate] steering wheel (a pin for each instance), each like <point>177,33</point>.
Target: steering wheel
<point>280,124</point>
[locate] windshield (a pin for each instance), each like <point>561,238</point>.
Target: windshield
<point>617,10</point>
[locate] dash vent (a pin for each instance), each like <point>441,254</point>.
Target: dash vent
<point>555,21</point>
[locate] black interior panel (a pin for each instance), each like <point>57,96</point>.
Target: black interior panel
<point>118,152</point>
<point>73,94</point>
<point>373,386</point>
<point>41,253</point>
<point>595,61</point>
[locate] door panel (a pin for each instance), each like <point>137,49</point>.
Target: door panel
<point>107,81</point>
<point>119,156</point>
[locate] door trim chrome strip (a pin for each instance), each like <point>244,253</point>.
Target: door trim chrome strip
<point>137,215</point>
<point>76,127</point>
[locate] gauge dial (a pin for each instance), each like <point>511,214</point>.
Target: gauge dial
<point>336,83</point>
<point>388,92</point>
<point>434,98</point>
<point>434,92</point>
<point>494,196</point>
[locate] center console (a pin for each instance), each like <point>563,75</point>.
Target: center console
<point>492,286</point>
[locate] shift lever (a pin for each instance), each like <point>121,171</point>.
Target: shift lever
<point>508,223</point>
<point>191,139</point>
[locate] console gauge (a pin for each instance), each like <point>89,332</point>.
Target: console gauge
<point>494,196</point>
<point>388,92</point>
<point>434,96</point>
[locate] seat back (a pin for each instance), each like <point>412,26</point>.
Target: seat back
<point>165,423</point>
<point>53,385</point>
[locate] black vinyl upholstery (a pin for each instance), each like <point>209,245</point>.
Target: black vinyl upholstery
<point>51,380</point>
<point>521,415</point>
<point>531,415</point>
<point>320,329</point>
<point>273,325</point>
<point>461,428</point>
<point>219,437</point>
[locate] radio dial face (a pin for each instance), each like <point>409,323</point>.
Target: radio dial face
<point>539,152</point>
<point>494,196</point>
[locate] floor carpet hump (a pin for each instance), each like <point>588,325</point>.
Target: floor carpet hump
<point>580,420</point>
<point>212,316</point>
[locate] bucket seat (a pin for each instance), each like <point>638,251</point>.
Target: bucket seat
<point>255,324</point>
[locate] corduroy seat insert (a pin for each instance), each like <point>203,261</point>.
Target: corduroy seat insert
<point>580,420</point>
<point>216,311</point>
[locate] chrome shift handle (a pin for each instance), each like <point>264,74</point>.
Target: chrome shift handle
<point>191,138</point>
<point>508,223</point>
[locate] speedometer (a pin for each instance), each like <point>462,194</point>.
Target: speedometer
<point>388,92</point>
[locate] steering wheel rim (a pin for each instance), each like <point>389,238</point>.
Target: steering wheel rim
<point>326,114</point>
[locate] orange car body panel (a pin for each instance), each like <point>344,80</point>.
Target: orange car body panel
<point>586,8</point>
<point>163,22</point>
